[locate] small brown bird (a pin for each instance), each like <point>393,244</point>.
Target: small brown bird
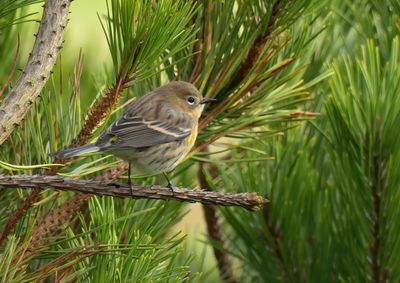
<point>156,131</point>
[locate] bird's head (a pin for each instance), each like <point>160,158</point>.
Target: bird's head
<point>185,97</point>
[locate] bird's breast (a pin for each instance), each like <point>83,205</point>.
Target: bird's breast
<point>192,138</point>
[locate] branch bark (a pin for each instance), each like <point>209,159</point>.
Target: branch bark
<point>249,201</point>
<point>37,70</point>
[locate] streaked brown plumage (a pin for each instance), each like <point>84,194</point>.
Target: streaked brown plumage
<point>155,132</point>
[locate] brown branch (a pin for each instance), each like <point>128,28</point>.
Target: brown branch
<point>37,70</point>
<point>214,231</point>
<point>30,83</point>
<point>249,201</point>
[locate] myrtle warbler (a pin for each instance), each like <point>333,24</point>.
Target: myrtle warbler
<point>155,132</point>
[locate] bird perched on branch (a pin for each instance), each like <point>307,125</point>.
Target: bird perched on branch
<point>155,132</point>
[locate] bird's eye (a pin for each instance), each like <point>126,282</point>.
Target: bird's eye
<point>191,100</point>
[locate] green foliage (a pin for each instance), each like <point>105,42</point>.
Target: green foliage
<point>134,245</point>
<point>142,35</point>
<point>287,241</point>
<point>12,15</point>
<point>124,238</point>
<point>124,241</point>
<point>333,193</point>
<point>364,112</point>
<point>333,182</point>
<point>9,11</point>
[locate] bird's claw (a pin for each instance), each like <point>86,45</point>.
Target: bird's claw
<point>171,187</point>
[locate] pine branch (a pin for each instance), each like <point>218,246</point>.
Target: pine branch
<point>37,70</point>
<point>377,183</point>
<point>18,214</point>
<point>99,111</point>
<point>29,85</point>
<point>277,242</point>
<point>52,220</point>
<point>256,49</point>
<point>250,60</point>
<point>215,233</point>
<point>131,45</point>
<point>249,201</point>
<point>96,114</point>
<point>57,217</point>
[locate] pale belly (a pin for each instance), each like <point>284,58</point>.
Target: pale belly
<point>157,159</point>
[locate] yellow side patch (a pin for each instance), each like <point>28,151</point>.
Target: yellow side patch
<point>113,138</point>
<point>192,138</point>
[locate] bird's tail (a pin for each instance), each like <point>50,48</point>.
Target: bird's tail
<point>71,152</point>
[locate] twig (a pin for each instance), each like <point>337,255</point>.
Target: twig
<point>37,70</point>
<point>249,201</point>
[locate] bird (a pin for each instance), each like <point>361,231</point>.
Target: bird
<point>155,132</point>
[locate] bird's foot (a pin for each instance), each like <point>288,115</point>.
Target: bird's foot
<point>171,187</point>
<point>130,186</point>
<point>114,184</point>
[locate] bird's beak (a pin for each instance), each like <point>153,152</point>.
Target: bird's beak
<point>207,100</point>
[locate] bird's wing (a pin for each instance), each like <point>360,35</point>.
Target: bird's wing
<point>134,131</point>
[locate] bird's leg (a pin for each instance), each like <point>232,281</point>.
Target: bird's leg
<point>169,184</point>
<point>129,178</point>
